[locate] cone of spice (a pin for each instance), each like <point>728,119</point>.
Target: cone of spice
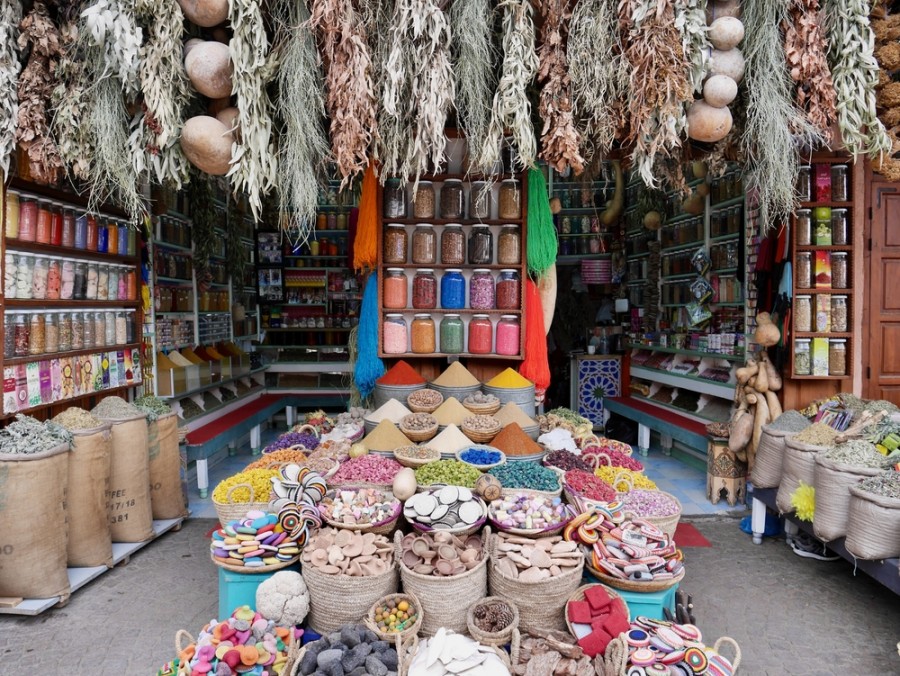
<point>456,375</point>
<point>401,373</point>
<point>451,412</point>
<point>391,410</point>
<point>385,437</point>
<point>513,413</point>
<point>509,379</point>
<point>514,442</point>
<point>450,440</point>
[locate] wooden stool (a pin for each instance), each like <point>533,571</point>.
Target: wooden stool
<point>726,476</point>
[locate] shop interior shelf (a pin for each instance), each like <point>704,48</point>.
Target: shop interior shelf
<point>441,266</point>
<point>723,271</point>
<point>11,361</point>
<point>429,355</point>
<point>691,415</point>
<point>682,276</point>
<point>689,353</point>
<point>304,328</point>
<point>220,383</point>
<point>725,238</point>
<point>172,280</point>
<point>451,311</point>
<point>724,204</point>
<point>577,258</point>
<point>833,205</point>
<point>828,291</point>
<point>71,400</point>
<point>698,384</point>
<point>728,303</point>
<point>453,221</point>
<point>825,247</point>
<point>686,245</point>
<point>169,245</point>
<point>200,419</point>
<point>74,304</point>
<point>17,246</point>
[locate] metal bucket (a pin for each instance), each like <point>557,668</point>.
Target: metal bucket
<point>384,393</point>
<point>459,392</point>
<point>523,397</point>
<point>533,431</point>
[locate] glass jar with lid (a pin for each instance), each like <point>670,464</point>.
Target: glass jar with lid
<point>395,244</point>
<point>21,335</point>
<point>102,235</point>
<point>54,279</point>
<point>67,279</point>
<point>81,225</point>
<point>840,227</point>
<point>28,218</point>
<point>131,281</point>
<point>802,357</point>
<point>480,335</point>
<point>803,272</point>
<point>839,320</point>
<point>510,200</point>
<point>508,335</point>
<point>423,200</point>
<point>11,209</point>
<point>24,277</point>
<point>424,291</point>
<point>804,183</point>
<point>109,323</point>
<point>424,245</point>
<point>509,245</point>
<point>395,290</point>
<point>480,199</point>
<point>91,233</point>
<point>113,285</point>
<point>804,227</point>
<point>68,227</point>
<point>481,246</point>
<point>102,282</point>
<point>803,314</point>
<point>79,291</point>
<point>451,334</point>
<point>93,274</point>
<point>51,333</point>
<point>78,331</point>
<point>123,239</point>
<point>121,328</point>
<point>37,338</point>
<point>9,336</point>
<point>453,199</point>
<point>44,220</point>
<point>453,290</point>
<point>395,336</point>
<point>11,262</point>
<point>129,327</point>
<point>840,270</point>
<point>840,183</point>
<point>481,290</point>
<point>837,357</point>
<point>39,278</point>
<point>99,328</point>
<point>65,331</point>
<point>89,330</point>
<point>453,245</point>
<point>509,290</point>
<point>422,340</point>
<point>56,223</point>
<point>112,237</point>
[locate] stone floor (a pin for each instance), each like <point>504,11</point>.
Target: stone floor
<point>790,615</point>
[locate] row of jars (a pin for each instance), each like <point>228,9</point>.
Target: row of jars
<point>454,248</point>
<point>172,264</point>
<point>174,231</point>
<point>728,186</point>
<point>39,333</point>
<point>33,219</point>
<point>573,245</point>
<point>824,183</point>
<point>823,226</point>
<point>33,276</point>
<point>729,221</point>
<point>421,337</point>
<point>173,299</point>
<point>449,202</point>
<point>824,266</point>
<point>331,220</point>
<point>686,232</point>
<point>826,314</point>
<point>811,358</point>
<point>485,292</point>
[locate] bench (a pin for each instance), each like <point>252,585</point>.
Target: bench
<point>669,424</point>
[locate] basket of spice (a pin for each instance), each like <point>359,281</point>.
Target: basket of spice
<point>562,461</point>
<point>481,428</point>
<point>361,508</point>
<point>661,509</point>
<point>248,490</point>
<point>481,456</point>
<point>528,514</point>
<point>586,490</point>
<point>446,473</point>
<point>493,621</point>
<point>419,426</point>
<point>767,468</point>
<point>395,615</point>
<point>528,476</point>
<point>416,456</point>
<point>424,401</point>
<point>482,404</point>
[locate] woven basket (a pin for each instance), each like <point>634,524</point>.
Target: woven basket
<point>410,631</point>
<point>615,660</point>
<point>579,596</point>
<point>383,527</point>
<point>633,586</point>
<point>415,463</point>
<point>446,599</point>
<point>498,638</point>
<point>767,467</point>
<point>483,409</point>
<point>419,435</point>
<point>582,503</point>
<point>419,408</point>
<point>253,571</point>
<point>232,511</point>
<point>667,524</point>
<point>873,526</point>
<point>799,465</point>
<point>526,532</point>
<point>833,482</point>
<point>540,603</point>
<point>458,531</point>
<point>594,440</point>
<point>336,600</point>
<point>481,436</point>
<point>482,447</point>
<point>411,648</point>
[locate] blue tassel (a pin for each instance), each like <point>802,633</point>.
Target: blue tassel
<point>369,367</point>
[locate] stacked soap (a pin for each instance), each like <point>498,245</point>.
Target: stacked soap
<point>253,542</point>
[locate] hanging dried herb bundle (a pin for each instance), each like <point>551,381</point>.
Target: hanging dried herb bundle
<point>775,127</point>
<point>729,149</point>
<point>887,50</point>
<point>10,17</point>
<point>559,138</point>
<point>690,15</point>
<point>166,91</point>
<point>71,106</point>
<point>511,109</point>
<point>350,98</point>
<point>40,38</point>
<point>854,69</point>
<point>235,248</point>
<point>474,54</point>
<point>659,88</point>
<point>303,145</point>
<point>804,48</point>
<point>599,75</point>
<point>203,223</point>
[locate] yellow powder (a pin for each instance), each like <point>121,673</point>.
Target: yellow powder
<point>385,437</point>
<point>211,351</point>
<point>451,412</point>
<point>450,440</point>
<point>510,380</point>
<point>512,413</point>
<point>179,360</point>
<point>391,410</point>
<point>456,375</point>
<point>164,363</point>
<point>188,354</point>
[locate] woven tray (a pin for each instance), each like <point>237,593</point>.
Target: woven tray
<point>410,631</point>
<point>631,585</point>
<point>419,435</point>
<point>232,511</point>
<point>383,527</point>
<point>252,571</point>
<point>415,463</point>
<point>483,409</point>
<point>418,408</point>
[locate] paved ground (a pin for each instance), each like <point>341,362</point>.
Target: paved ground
<point>790,615</point>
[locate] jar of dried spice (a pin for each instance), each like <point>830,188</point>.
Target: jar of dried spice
<point>56,223</point>
<point>510,202</point>
<point>44,220</point>
<point>37,338</point>
<point>452,199</point>
<point>396,288</point>
<point>53,279</point>
<point>39,278</point>
<point>509,246</point>
<point>508,335</point>
<point>451,334</point>
<point>509,295</point>
<point>424,245</point>
<point>839,314</point>
<point>803,222</point>
<point>65,332</point>
<point>481,246</point>
<point>394,198</point>
<point>93,273</point>
<point>480,198</point>
<point>837,357</point>
<point>803,313</point>
<point>453,245</point>
<point>78,331</point>
<point>21,336</point>
<point>480,334</point>
<point>24,276</point>
<point>424,292</point>
<point>51,333</point>
<point>802,359</point>
<point>804,270</point>
<point>9,336</point>
<point>453,290</point>
<point>68,232</point>
<point>423,335</point>
<point>423,200</point>
<point>11,209</point>
<point>67,284</point>
<point>11,263</point>
<point>481,290</point>
<point>395,244</point>
<point>839,270</point>
<point>28,217</point>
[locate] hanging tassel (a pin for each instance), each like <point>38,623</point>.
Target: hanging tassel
<point>535,366</point>
<point>542,243</point>
<point>369,367</point>
<point>365,246</point>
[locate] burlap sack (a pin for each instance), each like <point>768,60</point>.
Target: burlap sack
<point>90,542</point>
<point>799,465</point>
<point>128,498</point>
<point>33,528</point>
<point>833,482</point>
<point>873,526</point>
<point>769,456</point>
<point>166,496</point>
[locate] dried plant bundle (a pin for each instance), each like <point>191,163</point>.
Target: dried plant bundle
<point>10,17</point>
<point>71,106</point>
<point>690,15</point>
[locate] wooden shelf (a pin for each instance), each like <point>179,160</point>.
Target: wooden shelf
<point>71,400</point>
<point>418,355</point>
<point>825,247</point>
<point>831,205</point>
<point>17,245</point>
<point>11,361</point>
<point>821,334</point>
<point>441,266</point>
<point>724,204</point>
<point>449,311</point>
<point>823,292</point>
<point>176,247</point>
<point>50,305</point>
<point>453,221</point>
<point>303,328</point>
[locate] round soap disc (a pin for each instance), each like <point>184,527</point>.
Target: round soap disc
<point>424,518</point>
<point>440,512</point>
<point>412,500</point>
<point>464,494</point>
<point>470,512</point>
<point>425,505</point>
<point>448,495</point>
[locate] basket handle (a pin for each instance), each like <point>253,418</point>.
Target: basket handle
<point>179,636</point>
<point>590,439</point>
<point>727,640</point>
<point>593,459</point>
<point>231,490</point>
<point>623,476</point>
<point>308,428</point>
<point>515,644</point>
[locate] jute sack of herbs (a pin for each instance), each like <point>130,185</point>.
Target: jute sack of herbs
<point>90,541</point>
<point>832,483</point>
<point>873,523</point>
<point>799,465</point>
<point>167,495</point>
<point>33,527</point>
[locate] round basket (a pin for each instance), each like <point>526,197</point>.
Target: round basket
<point>489,408</point>
<point>767,467</point>
<point>579,596</point>
<point>873,525</point>
<point>481,436</point>
<point>335,466</point>
<point>336,600</point>
<point>798,464</point>
<point>459,530</point>
<point>603,442</point>
<point>383,527</point>
<point>482,447</point>
<point>411,630</point>
<point>667,524</point>
<point>420,435</point>
<point>614,661</point>
<point>459,393</point>
<point>583,504</point>
<point>832,483</point>
<point>415,463</point>
<point>424,408</point>
<point>497,638</point>
<point>631,585</point>
<point>552,529</point>
<point>232,511</point>
<point>253,571</point>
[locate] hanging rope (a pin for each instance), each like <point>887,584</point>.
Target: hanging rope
<point>542,244</point>
<point>365,246</point>
<point>369,367</point>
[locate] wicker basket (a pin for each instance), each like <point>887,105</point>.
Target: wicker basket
<point>336,600</point>
<point>527,532</point>
<point>459,530</point>
<point>767,467</point>
<point>832,483</point>
<point>615,660</point>
<point>383,527</point>
<point>482,447</point>
<point>633,586</point>
<point>419,435</point>
<point>253,571</point>
<point>667,524</point>
<point>483,409</point>
<point>412,647</point>
<point>415,463</point>
<point>418,408</point>
<point>579,596</point>
<point>498,638</point>
<point>232,511</point>
<point>481,436</point>
<point>582,503</point>
<point>799,465</point>
<point>446,599</point>
<point>410,631</point>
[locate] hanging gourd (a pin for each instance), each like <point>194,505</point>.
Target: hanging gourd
<point>209,68</point>
<point>206,143</point>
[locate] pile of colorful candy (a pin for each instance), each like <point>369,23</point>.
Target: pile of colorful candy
<point>370,469</point>
<point>661,647</point>
<point>258,540</point>
<point>635,550</point>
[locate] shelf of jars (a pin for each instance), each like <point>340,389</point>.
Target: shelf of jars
<point>440,259</point>
<point>822,257</point>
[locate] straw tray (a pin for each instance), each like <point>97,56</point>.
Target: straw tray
<point>631,585</point>
<point>488,408</point>
<point>579,596</point>
<point>411,630</point>
<point>253,571</point>
<point>423,408</point>
<point>232,511</point>
<point>415,463</point>
<point>498,638</point>
<point>383,527</point>
<point>419,435</point>
<point>482,447</point>
<point>481,436</point>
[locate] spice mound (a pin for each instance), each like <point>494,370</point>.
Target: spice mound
<point>513,441</point>
<point>817,434</point>
<point>565,460</point>
<point>260,480</point>
<point>370,469</point>
<point>450,440</point>
<point>450,472</point>
<point>533,560</point>
<point>401,373</point>
<point>115,408</point>
<point>509,379</point>
<point>527,475</point>
<point>343,552</point>
<point>385,437</point>
<point>441,554</point>
<point>456,375</point>
<point>77,419</point>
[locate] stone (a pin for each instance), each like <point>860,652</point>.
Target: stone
<point>349,636</point>
<point>375,667</point>
<point>389,659</point>
<point>334,669</point>
<point>355,657</point>
<point>369,636</point>
<point>309,662</point>
<point>329,657</point>
<point>379,646</point>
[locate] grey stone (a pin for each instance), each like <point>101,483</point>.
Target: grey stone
<point>328,657</point>
<point>334,669</point>
<point>359,671</point>
<point>375,667</point>
<point>355,657</point>
<point>368,635</point>
<point>334,637</point>
<point>309,662</point>
<point>349,635</point>
<point>389,659</point>
<point>379,646</point>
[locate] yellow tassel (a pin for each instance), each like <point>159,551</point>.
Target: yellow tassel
<point>365,246</point>
<point>804,501</point>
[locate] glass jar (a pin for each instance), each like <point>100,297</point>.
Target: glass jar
<point>67,284</point>
<point>508,335</point>
<point>837,357</point>
<point>839,314</point>
<point>20,339</point>
<point>129,327</point>
<point>453,245</point>
<point>131,280</point>
<point>37,339</point>
<point>509,290</point>
<point>840,183</point>
<point>394,198</point>
<point>11,263</point>
<point>24,277</point>
<point>121,330</point>
<point>123,239</point>
<point>28,217</point>
<point>93,273</point>
<point>396,288</point>
<point>510,201</point>
<point>65,332</point>
<point>453,290</point>
<point>91,233</point>
<point>132,241</point>
<point>823,314</point>
<point>804,183</point>
<point>81,224</point>
<point>802,357</point>
<point>102,282</point>
<point>112,237</point>
<point>424,290</point>
<point>480,335</point>
<point>113,283</point>
<point>481,290</point>
<point>54,280</point>
<point>395,244</point>
<point>453,199</point>
<point>56,223</point>
<point>424,245</point>
<point>12,214</point>
<point>109,323</point>
<point>51,333</point>
<point>509,246</point>
<point>840,272</point>
<point>44,219</point>
<point>89,330</point>
<point>68,228</point>
<point>39,278</point>
<point>804,270</point>
<point>423,335</point>
<point>804,227</point>
<point>840,230</point>
<point>481,246</point>
<point>423,200</point>
<point>80,281</point>
<point>9,336</point>
<point>99,328</point>
<point>78,331</point>
<point>803,314</point>
<point>451,334</point>
<point>480,198</point>
<point>102,236</point>
<point>395,338</point>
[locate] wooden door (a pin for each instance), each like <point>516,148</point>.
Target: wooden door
<point>882,314</point>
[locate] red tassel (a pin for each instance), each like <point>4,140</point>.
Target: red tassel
<point>365,246</point>
<point>535,367</point>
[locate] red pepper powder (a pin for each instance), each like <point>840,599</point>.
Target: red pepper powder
<point>401,373</point>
